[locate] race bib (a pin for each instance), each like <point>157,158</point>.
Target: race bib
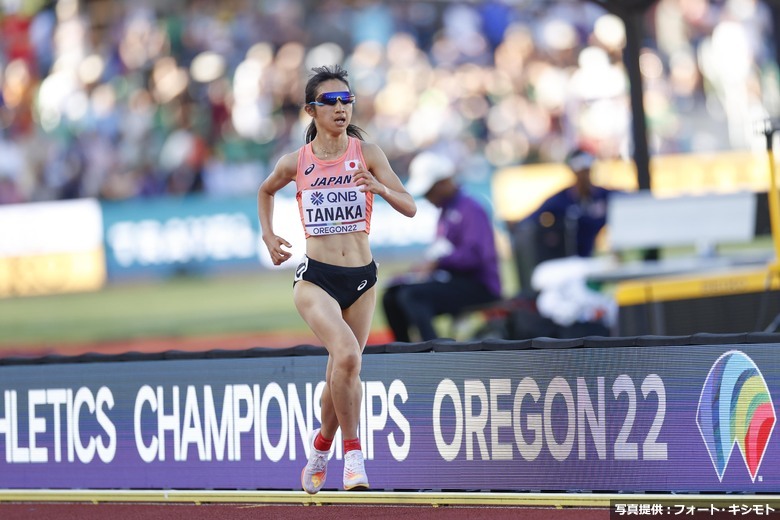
<point>333,211</point>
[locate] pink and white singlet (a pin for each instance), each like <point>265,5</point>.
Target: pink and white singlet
<point>329,201</point>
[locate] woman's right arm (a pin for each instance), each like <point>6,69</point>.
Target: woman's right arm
<point>283,173</point>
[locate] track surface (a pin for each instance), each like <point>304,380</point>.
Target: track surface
<point>114,511</point>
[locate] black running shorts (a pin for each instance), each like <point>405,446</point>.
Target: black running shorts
<point>344,284</point>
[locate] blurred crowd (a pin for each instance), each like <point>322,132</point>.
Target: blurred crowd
<point>142,98</point>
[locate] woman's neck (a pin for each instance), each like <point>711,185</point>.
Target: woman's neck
<point>330,147</point>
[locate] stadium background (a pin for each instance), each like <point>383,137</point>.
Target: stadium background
<point>150,98</point>
<point>142,108</point>
<point>153,104</point>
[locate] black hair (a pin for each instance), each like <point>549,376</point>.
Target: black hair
<point>321,75</point>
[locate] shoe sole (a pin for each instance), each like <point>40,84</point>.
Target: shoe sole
<point>357,487</point>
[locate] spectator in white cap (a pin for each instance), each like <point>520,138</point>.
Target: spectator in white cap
<point>460,268</point>
<point>426,170</point>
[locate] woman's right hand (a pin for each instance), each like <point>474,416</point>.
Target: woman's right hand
<point>274,244</point>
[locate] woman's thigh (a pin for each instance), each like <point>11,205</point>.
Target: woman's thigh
<point>360,314</point>
<point>324,316</point>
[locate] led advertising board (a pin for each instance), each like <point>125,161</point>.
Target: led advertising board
<point>672,418</point>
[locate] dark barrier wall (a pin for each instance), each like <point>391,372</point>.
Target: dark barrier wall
<point>692,413</point>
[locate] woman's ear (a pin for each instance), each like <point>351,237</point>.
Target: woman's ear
<point>309,110</point>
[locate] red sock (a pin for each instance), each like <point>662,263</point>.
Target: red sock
<point>351,444</point>
<point>321,443</point>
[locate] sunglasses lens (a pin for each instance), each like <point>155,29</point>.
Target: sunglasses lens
<point>331,98</point>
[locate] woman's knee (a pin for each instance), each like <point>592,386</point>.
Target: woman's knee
<point>347,362</point>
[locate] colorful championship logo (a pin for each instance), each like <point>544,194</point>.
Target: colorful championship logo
<point>735,408</point>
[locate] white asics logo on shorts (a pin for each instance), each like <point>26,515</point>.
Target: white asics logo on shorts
<point>304,265</point>
<point>362,285</point>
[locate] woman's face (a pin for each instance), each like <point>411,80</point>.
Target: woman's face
<point>331,118</point>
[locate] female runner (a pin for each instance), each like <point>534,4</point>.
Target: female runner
<point>337,175</point>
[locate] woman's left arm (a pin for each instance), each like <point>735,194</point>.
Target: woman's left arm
<point>378,177</point>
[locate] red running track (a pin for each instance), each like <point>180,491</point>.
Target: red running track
<point>137,511</point>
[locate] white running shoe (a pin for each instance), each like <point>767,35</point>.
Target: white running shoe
<point>354,470</point>
<point>313,475</point>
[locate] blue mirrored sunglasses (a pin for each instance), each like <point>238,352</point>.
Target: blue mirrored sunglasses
<point>331,98</point>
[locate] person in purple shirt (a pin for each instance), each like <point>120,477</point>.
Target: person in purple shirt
<point>460,268</point>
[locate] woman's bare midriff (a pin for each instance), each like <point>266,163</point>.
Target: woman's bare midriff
<point>346,250</point>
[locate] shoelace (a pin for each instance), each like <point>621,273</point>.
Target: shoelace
<point>353,463</point>
<point>318,462</point>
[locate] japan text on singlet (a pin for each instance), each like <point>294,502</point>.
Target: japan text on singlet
<point>328,199</point>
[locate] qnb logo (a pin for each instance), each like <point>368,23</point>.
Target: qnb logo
<point>317,198</point>
<point>735,408</point>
